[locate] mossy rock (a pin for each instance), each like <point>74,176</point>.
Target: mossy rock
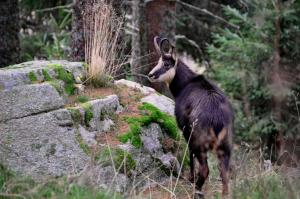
<point>88,112</point>
<point>66,76</point>
<point>150,114</point>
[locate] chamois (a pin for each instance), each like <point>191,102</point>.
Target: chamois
<point>202,111</point>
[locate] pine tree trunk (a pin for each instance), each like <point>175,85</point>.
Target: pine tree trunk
<point>77,39</point>
<point>9,33</point>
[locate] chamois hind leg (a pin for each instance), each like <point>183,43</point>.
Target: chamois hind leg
<point>223,153</point>
<point>203,170</point>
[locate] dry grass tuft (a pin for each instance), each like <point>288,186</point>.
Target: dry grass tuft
<point>102,29</point>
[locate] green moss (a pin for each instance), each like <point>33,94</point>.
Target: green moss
<point>150,114</point>
<point>82,99</point>
<point>122,159</point>
<point>86,149</point>
<point>56,85</point>
<point>76,116</point>
<point>32,77</point>
<point>88,112</point>
<point>46,75</point>
<point>65,76</point>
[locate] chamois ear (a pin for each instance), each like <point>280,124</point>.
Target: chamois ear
<point>165,46</point>
<point>157,44</point>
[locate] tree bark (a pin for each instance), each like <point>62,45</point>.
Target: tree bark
<point>9,32</point>
<point>77,38</point>
<point>276,82</point>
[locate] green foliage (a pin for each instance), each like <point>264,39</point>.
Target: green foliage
<point>23,187</point>
<point>49,37</point>
<point>82,99</point>
<point>88,114</point>
<point>150,114</point>
<point>122,160</point>
<point>65,76</point>
<point>267,186</point>
<point>32,76</point>
<point>241,60</point>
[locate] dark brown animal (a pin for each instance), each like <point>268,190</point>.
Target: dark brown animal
<point>202,111</point>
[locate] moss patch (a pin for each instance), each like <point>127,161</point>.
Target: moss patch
<point>46,75</point>
<point>88,112</point>
<point>82,99</point>
<point>150,114</point>
<point>86,149</point>
<point>65,76</point>
<point>56,85</point>
<point>76,116</point>
<point>32,77</point>
<point>122,159</point>
<point>101,81</point>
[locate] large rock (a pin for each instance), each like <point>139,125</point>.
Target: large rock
<point>42,145</point>
<point>27,100</point>
<point>18,75</point>
<point>162,102</point>
<point>143,89</point>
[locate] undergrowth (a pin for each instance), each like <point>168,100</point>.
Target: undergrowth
<point>13,185</point>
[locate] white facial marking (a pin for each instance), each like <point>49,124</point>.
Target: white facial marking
<point>167,76</point>
<point>158,66</point>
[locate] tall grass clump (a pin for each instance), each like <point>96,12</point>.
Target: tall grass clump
<point>102,29</point>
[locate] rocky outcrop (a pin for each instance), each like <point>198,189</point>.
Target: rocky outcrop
<point>38,136</point>
<point>41,136</point>
<point>162,102</point>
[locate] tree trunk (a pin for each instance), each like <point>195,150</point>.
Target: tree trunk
<point>150,18</point>
<point>77,38</point>
<point>277,84</point>
<point>9,32</point>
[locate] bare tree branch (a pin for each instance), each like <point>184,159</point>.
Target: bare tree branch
<point>55,8</point>
<point>204,11</point>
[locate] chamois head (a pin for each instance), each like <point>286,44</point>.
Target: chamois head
<point>165,69</point>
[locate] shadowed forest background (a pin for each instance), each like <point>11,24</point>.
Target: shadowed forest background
<point>250,48</point>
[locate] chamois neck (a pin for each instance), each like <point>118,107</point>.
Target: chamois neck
<point>182,77</point>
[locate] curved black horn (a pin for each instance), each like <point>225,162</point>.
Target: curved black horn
<point>156,45</point>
